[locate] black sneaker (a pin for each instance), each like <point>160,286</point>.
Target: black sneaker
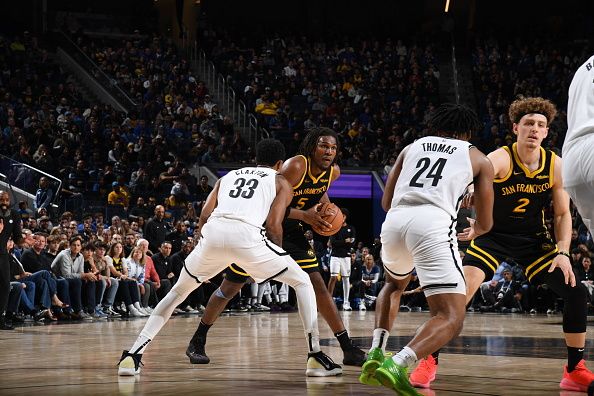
<point>129,363</point>
<point>321,365</point>
<point>196,352</point>
<point>5,324</point>
<point>353,356</point>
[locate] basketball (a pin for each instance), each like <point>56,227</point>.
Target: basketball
<point>333,215</point>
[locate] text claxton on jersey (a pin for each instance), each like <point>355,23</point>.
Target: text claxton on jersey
<point>254,172</point>
<point>440,148</point>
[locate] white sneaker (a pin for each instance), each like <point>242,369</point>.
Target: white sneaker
<point>321,365</point>
<point>346,307</point>
<point>190,310</point>
<point>362,306</point>
<point>134,312</point>
<point>129,364</point>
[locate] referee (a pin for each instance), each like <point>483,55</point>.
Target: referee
<point>10,226</point>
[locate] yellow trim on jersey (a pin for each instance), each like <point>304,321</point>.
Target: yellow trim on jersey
<point>528,172</point>
<point>468,251</point>
<point>493,259</point>
<point>330,177</point>
<point>545,265</point>
<point>540,259</point>
<point>309,266</point>
<point>306,260</point>
<point>312,176</point>
<point>509,171</point>
<point>552,170</point>
<point>304,172</point>
<point>237,271</point>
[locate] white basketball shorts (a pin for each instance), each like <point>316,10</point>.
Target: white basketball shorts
<point>228,241</point>
<point>424,237</point>
<point>578,177</point>
<point>340,265</point>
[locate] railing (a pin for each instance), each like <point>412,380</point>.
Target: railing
<point>226,96</point>
<point>455,71</point>
<point>25,178</point>
<point>109,83</point>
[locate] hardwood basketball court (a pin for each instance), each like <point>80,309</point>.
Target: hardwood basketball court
<point>264,354</point>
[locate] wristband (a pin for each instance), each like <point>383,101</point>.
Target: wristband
<point>563,254</point>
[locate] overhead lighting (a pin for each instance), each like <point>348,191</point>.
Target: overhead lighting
<point>447,6</point>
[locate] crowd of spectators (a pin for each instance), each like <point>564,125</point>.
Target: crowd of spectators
<point>505,68</point>
<point>375,93</point>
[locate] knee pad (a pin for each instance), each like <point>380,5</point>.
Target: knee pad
<point>575,309</point>
<point>219,293</point>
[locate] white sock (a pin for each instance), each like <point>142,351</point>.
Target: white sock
<point>405,358</point>
<point>380,339</point>
<point>346,288</point>
<point>140,344</point>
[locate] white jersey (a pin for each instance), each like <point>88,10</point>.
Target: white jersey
<point>435,171</point>
<point>580,106</point>
<point>246,194</point>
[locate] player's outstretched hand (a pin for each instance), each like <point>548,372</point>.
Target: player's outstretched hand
<point>562,262</point>
<point>468,234</point>
<point>467,200</point>
<point>312,217</point>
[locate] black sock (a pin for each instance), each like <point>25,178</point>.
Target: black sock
<point>574,355</point>
<point>202,331</point>
<point>436,356</point>
<point>344,340</point>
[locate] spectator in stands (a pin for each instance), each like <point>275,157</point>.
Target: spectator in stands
<point>127,291</point>
<point>506,296</point>
<point>584,273</point>
<point>95,292</point>
<point>150,274</point>
<point>34,260</point>
<point>136,270</point>
<point>156,229</point>
<point>118,197</point>
<point>111,283</point>
<point>163,266</point>
<point>368,285</point>
<point>69,264</point>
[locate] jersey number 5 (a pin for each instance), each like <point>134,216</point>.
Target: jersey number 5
<point>246,193</point>
<point>434,173</point>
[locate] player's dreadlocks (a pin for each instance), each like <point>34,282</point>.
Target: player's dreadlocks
<point>451,118</point>
<point>309,143</point>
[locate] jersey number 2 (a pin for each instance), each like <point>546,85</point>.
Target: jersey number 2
<point>434,173</point>
<point>248,192</point>
<point>522,203</point>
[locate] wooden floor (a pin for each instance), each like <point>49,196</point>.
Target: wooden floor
<point>264,354</point>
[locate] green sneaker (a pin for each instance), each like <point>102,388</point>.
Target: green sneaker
<point>375,358</point>
<point>395,377</point>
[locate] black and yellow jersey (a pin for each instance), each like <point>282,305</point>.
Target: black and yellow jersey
<point>308,191</point>
<point>522,195</point>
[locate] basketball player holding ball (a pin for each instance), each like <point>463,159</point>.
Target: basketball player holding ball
<point>310,173</point>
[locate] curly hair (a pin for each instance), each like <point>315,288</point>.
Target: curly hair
<point>310,142</point>
<point>522,106</point>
